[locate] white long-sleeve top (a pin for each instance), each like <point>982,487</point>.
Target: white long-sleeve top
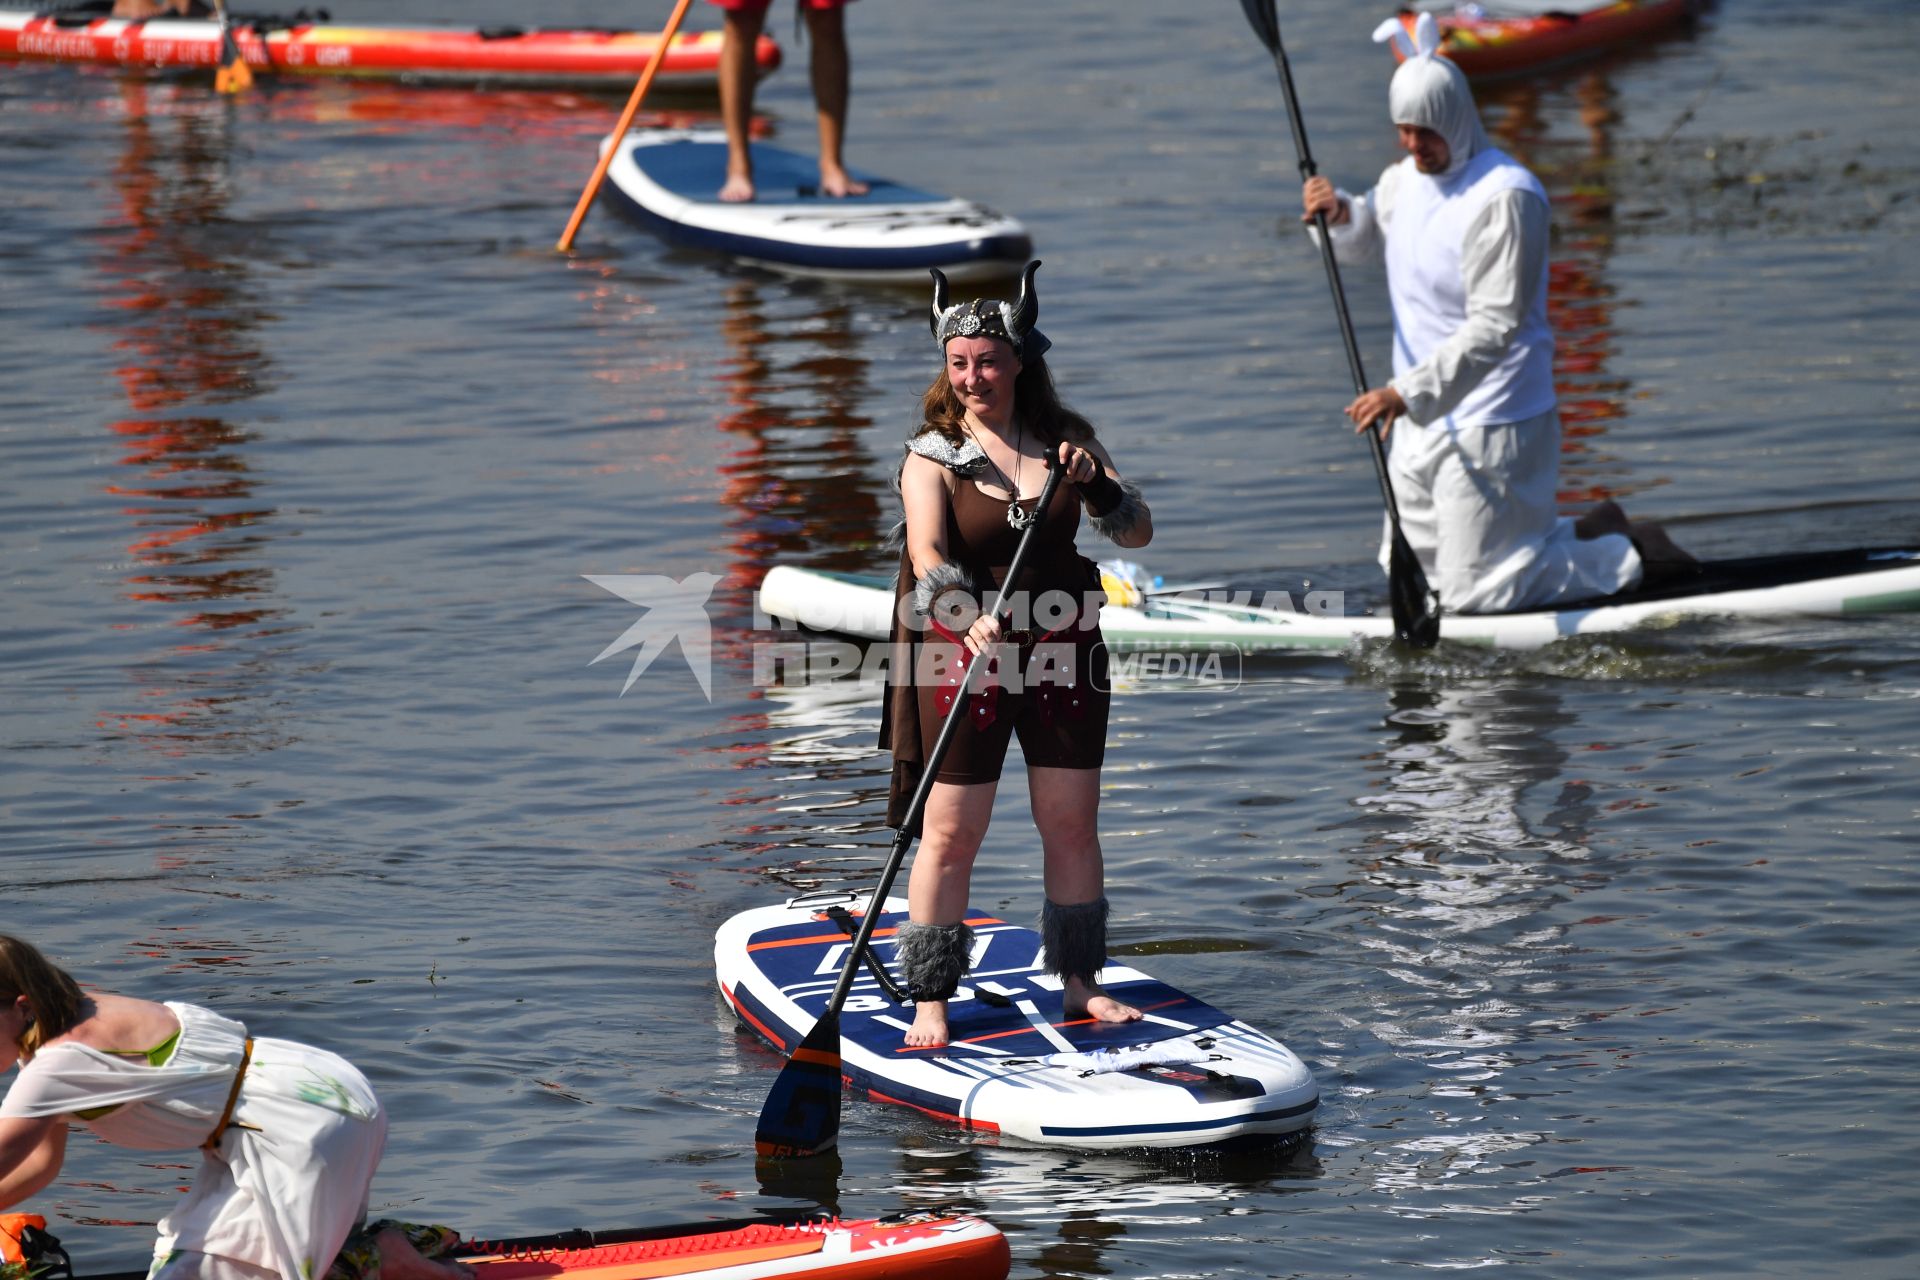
<point>1503,266</point>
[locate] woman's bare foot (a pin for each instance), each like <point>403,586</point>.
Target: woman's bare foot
<point>840,184</point>
<point>1087,1000</point>
<point>929,1025</point>
<point>738,188</point>
<point>399,1260</point>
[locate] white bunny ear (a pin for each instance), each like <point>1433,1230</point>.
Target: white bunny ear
<point>1426,34</point>
<point>1392,29</point>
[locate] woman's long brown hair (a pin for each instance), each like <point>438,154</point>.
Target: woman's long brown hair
<point>55,996</point>
<point>1036,407</point>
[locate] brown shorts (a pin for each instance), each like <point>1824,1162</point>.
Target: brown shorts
<point>1058,707</point>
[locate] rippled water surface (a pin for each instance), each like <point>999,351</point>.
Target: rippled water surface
<point>1601,954</point>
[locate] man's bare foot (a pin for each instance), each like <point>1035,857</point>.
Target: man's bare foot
<point>1087,1000</point>
<point>399,1260</point>
<point>929,1025</point>
<point>738,188</point>
<point>1604,519</point>
<point>839,184</point>
<point>1660,557</point>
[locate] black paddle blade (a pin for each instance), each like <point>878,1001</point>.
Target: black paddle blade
<point>1416,607</point>
<point>802,1115</point>
<point>1265,22</point>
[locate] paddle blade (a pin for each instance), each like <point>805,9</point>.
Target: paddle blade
<point>1265,22</point>
<point>233,75</point>
<point>1416,607</point>
<point>802,1115</point>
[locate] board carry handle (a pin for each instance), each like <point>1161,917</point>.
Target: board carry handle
<point>821,898</point>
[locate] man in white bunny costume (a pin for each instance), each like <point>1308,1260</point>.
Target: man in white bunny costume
<point>1475,466</point>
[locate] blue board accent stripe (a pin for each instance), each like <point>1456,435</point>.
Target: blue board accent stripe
<point>1191,1126</point>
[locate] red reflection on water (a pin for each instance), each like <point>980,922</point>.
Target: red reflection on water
<point>179,308</point>
<point>1581,302</point>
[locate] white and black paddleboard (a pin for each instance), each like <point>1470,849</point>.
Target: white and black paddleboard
<point>1871,580</point>
<point>1185,1075</point>
<point>669,181</point>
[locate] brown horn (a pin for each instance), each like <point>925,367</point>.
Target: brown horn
<point>939,300</point>
<point>1027,311</point>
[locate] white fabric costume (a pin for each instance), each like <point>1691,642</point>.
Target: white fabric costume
<point>289,1180</point>
<point>1475,462</point>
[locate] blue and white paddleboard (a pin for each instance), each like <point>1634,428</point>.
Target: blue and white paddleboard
<point>1186,1075</point>
<point>669,181</point>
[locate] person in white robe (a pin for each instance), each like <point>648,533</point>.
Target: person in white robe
<point>1475,463</point>
<point>289,1135</point>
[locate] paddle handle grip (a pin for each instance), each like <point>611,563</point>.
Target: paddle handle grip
<point>931,767</point>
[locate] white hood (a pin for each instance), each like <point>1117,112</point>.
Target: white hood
<point>1431,92</point>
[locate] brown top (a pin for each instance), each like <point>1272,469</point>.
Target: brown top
<point>980,540</point>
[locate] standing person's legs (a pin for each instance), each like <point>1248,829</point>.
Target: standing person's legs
<point>1066,809</point>
<point>933,948</point>
<point>832,80</point>
<point>738,74</point>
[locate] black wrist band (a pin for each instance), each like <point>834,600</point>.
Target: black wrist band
<point>1102,493</point>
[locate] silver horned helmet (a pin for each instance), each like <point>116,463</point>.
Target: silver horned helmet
<point>1012,322</point>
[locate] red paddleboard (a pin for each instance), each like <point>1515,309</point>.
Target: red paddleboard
<point>590,58</point>
<point>923,1246</point>
<point>1499,46</point>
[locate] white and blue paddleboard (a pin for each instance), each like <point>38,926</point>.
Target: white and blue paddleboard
<point>1186,1075</point>
<point>669,181</point>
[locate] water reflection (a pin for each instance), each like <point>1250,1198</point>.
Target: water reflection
<point>1463,893</point>
<point>1579,174</point>
<point>1066,1210</point>
<point>186,317</point>
<point>799,488</point>
<point>799,475</point>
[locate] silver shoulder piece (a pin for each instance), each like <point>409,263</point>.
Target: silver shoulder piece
<point>966,459</point>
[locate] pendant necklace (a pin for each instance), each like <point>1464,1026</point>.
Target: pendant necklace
<point>1016,517</point>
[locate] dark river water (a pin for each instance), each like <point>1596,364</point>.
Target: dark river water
<point>1600,953</point>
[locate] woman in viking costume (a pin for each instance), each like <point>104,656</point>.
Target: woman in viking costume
<point>288,1134</point>
<point>972,474</point>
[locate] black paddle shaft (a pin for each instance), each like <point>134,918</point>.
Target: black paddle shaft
<point>1416,613</point>
<point>931,766</point>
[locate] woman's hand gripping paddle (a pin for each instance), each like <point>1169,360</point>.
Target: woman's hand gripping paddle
<point>802,1114</point>
<point>1416,606</point>
<point>233,74</point>
<point>620,130</point>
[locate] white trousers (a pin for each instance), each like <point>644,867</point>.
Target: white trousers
<point>1478,506</point>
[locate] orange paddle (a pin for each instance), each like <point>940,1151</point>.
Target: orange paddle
<point>233,75</point>
<point>620,130</point>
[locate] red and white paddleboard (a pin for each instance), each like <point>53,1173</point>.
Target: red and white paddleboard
<point>602,58</point>
<point>923,1246</point>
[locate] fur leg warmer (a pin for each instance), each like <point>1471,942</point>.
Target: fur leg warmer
<point>1075,937</point>
<point>932,958</point>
